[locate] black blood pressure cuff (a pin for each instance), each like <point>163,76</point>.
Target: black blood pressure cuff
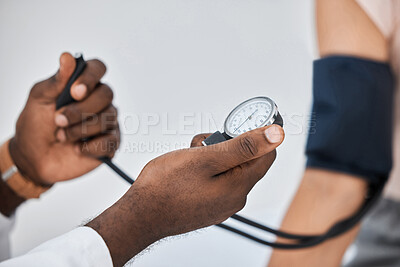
<point>351,122</point>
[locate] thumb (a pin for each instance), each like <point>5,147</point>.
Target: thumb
<point>244,148</point>
<point>48,90</point>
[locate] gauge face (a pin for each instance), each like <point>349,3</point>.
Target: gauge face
<point>249,115</point>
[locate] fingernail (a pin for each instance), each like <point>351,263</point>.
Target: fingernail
<point>273,134</point>
<point>61,120</point>
<point>79,91</point>
<point>61,135</point>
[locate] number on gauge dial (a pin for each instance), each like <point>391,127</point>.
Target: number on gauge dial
<point>248,116</point>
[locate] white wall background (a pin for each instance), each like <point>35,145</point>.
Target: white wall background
<point>195,57</point>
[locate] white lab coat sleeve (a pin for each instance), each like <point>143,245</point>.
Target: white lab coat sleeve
<point>6,225</point>
<point>81,247</point>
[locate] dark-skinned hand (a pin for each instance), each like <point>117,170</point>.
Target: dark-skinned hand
<point>186,190</point>
<point>47,146</point>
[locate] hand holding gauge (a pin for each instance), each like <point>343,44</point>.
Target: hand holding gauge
<point>259,112</point>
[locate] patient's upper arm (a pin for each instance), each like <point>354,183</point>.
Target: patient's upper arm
<point>344,28</point>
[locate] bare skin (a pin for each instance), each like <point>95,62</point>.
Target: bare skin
<point>186,190</point>
<point>324,197</point>
<point>47,141</point>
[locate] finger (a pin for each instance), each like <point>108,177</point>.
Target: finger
<point>196,141</point>
<point>87,81</point>
<point>245,176</point>
<point>246,147</point>
<point>101,146</point>
<point>67,67</point>
<point>100,124</point>
<point>76,112</point>
<point>48,90</point>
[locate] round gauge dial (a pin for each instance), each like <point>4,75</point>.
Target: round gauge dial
<point>249,115</point>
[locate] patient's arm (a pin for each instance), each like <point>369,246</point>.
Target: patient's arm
<point>344,28</point>
<point>324,197</point>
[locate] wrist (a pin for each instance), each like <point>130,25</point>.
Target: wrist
<point>9,200</point>
<point>25,167</point>
<point>16,178</point>
<point>125,228</point>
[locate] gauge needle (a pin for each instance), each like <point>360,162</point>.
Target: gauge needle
<point>248,118</point>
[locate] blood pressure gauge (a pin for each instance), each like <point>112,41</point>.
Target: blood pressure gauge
<point>251,114</point>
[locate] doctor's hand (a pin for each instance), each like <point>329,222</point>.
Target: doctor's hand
<point>186,190</point>
<point>46,147</point>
